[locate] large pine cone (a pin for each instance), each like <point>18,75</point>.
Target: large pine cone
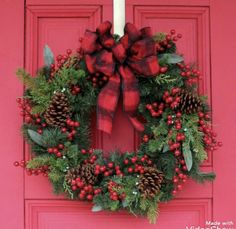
<point>58,110</point>
<point>85,172</point>
<point>150,182</point>
<point>189,103</point>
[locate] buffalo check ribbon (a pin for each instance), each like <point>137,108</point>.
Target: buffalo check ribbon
<point>134,55</point>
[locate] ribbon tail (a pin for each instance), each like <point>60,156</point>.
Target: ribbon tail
<point>131,96</point>
<point>136,123</point>
<point>107,103</point>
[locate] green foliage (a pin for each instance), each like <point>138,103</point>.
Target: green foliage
<point>166,162</point>
<point>159,37</point>
<point>187,155</point>
<point>194,136</point>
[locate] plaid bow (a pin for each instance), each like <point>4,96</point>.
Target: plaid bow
<point>135,53</point>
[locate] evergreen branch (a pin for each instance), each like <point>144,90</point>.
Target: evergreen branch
<point>67,189</point>
<point>164,79</point>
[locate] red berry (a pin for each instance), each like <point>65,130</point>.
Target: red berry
<point>118,172</point>
<point>130,169</point>
<point>80,184</point>
<point>16,163</point>
<point>143,159</point>
<point>81,196</point>
<point>73,187</point>
<point>163,69</point>
<point>59,154</point>
<point>176,169</point>
<point>61,146</point>
<point>185,168</point>
<point>174,192</point>
<point>110,165</point>
<point>50,150</point>
<point>134,159</point>
<point>220,144</point>
<point>68,51</point>
<point>106,174</point>
<point>83,151</point>
<point>179,187</point>
<point>200,114</point>
<point>103,168</point>
<point>179,35</point>
<point>126,161</point>
<point>63,129</point>
<point>177,153</point>
<point>172,31</point>
<point>73,182</point>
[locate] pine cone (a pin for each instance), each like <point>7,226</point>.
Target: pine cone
<point>150,182</point>
<point>58,110</point>
<point>85,172</point>
<point>189,103</point>
<point>72,174</point>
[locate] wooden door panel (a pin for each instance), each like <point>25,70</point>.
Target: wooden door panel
<point>193,23</point>
<point>11,143</point>
<point>53,214</point>
<point>60,27</point>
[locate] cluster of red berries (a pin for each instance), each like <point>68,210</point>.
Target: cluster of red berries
<point>209,137</point>
<point>114,195</point>
<point>30,118</point>
<point>56,150</point>
<point>60,61</point>
<point>98,79</point>
<point>155,109</point>
<point>24,105</point>
<point>40,170</point>
<point>71,128</point>
<point>167,42</point>
<point>171,99</point>
<point>175,120</point>
<point>179,179</point>
<point>84,191</point>
<point>190,73</point>
<point>75,89</point>
<point>136,164</point>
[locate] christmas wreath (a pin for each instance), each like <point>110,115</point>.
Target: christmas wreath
<point>160,98</point>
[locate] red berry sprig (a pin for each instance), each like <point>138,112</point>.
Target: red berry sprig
<point>98,79</point>
<point>113,187</point>
<point>190,73</point>
<point>56,150</point>
<point>170,98</point>
<point>209,137</point>
<point>30,118</point>
<point>71,128</point>
<point>43,170</point>
<point>167,43</point>
<point>179,179</point>
<point>155,109</point>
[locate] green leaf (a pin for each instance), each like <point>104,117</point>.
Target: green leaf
<point>35,137</point>
<point>187,156</point>
<point>125,203</point>
<point>170,58</point>
<point>48,56</point>
<point>97,208</point>
<point>165,148</point>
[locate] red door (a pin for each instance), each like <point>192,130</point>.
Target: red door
<point>26,26</point>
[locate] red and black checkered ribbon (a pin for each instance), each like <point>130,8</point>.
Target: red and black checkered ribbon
<point>134,55</point>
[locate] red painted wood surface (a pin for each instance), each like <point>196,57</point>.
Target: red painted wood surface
<point>28,202</point>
